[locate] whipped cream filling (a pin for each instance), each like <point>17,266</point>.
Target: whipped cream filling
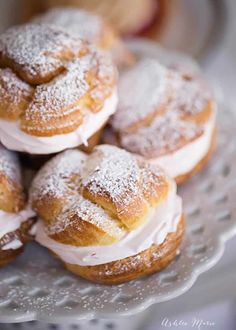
<point>12,137</point>
<point>10,222</point>
<point>13,245</point>
<point>162,220</point>
<point>185,159</point>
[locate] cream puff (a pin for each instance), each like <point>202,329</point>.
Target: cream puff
<point>127,17</point>
<point>165,116</point>
<point>16,218</point>
<point>109,216</point>
<point>90,27</point>
<point>56,91</point>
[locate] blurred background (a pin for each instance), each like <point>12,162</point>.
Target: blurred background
<point>205,30</point>
<point>187,25</point>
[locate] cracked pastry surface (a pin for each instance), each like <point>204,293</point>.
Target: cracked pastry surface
<point>16,218</point>
<point>104,207</point>
<point>55,90</point>
<point>167,117</point>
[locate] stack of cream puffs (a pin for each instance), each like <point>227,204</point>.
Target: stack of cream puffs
<point>109,212</point>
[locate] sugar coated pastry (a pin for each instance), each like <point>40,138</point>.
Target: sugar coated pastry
<point>90,27</point>
<point>16,218</point>
<point>56,91</point>
<point>109,216</point>
<point>167,117</point>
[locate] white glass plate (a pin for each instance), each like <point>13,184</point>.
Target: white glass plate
<point>37,287</point>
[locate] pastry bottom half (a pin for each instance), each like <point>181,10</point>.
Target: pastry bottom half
<point>149,261</point>
<point>92,141</point>
<point>6,256</point>
<point>199,166</point>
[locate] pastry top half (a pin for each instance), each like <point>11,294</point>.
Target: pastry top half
<point>50,80</point>
<point>90,27</point>
<point>12,197</point>
<point>96,199</point>
<point>164,110</point>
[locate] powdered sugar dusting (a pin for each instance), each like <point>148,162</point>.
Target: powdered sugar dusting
<point>141,90</point>
<point>84,210</point>
<point>116,174</point>
<point>9,165</point>
<point>53,178</point>
<point>76,21</point>
<point>191,96</point>
<point>59,96</point>
<point>12,89</point>
<point>152,177</point>
<point>106,74</point>
<point>72,77</point>
<point>62,96</point>
<point>109,171</point>
<point>165,134</point>
<point>146,87</point>
<point>36,48</point>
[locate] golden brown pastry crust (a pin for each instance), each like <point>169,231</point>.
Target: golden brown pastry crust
<point>93,141</point>
<point>15,95</point>
<point>51,79</point>
<point>145,263</point>
<point>22,234</point>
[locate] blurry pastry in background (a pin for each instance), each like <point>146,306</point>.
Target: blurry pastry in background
<point>56,91</point>
<point>16,218</point>
<point>129,18</point>
<point>90,27</point>
<point>167,117</point>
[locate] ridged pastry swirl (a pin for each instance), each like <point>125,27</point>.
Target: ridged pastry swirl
<point>50,81</point>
